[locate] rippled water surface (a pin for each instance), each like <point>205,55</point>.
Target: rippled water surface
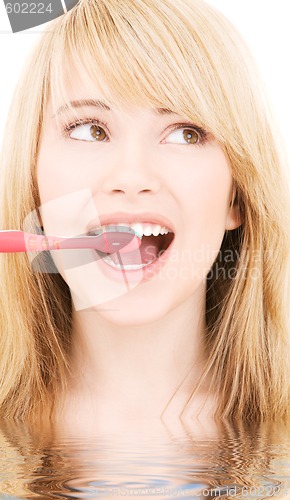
<point>151,460</point>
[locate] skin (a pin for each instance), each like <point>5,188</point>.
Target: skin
<point>132,348</point>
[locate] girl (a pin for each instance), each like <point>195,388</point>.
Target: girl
<point>149,115</point>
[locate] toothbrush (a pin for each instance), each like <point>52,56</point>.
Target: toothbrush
<point>19,241</point>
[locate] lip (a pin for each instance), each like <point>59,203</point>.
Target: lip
<point>119,217</point>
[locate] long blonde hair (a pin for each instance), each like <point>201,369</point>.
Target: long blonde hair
<point>183,55</point>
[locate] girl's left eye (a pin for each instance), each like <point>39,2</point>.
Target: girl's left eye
<point>192,135</point>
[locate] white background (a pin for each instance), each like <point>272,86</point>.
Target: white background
<point>264,24</point>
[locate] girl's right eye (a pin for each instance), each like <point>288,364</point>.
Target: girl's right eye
<point>86,130</point>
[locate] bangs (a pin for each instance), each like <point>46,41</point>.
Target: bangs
<point>144,53</point>
<point>126,55</point>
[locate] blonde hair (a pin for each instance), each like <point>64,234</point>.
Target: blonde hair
<point>185,56</point>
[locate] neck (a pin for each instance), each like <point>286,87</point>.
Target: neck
<point>136,369</point>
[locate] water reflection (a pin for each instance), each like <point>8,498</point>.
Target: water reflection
<point>148,458</point>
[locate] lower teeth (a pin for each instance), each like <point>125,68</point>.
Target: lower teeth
<point>127,267</point>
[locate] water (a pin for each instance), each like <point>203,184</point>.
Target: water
<point>196,460</point>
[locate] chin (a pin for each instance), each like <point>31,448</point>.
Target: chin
<point>130,312</point>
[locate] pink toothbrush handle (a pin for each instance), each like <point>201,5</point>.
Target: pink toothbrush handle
<point>12,241</point>
<point>19,241</point>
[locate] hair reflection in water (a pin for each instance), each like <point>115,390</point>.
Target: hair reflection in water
<point>173,462</point>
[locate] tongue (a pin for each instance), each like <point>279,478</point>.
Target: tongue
<point>147,252</point>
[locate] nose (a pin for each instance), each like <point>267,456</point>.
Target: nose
<point>133,171</point>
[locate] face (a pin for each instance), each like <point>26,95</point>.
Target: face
<point>156,166</point>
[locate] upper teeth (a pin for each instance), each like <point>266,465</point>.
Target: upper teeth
<point>139,228</point>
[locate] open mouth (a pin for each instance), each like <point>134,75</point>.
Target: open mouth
<point>151,249</point>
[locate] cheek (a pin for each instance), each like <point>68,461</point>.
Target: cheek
<point>66,200</point>
<point>205,187</point>
<point>213,196</point>
<point>204,207</point>
<point>55,171</point>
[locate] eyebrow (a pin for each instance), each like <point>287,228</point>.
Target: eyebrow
<point>103,106</point>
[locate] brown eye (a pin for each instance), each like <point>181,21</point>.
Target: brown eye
<point>191,136</point>
<point>183,134</point>
<point>97,132</point>
<point>87,130</point>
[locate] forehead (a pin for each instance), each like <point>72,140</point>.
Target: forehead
<point>75,94</point>
<point>76,81</point>
<point>102,106</point>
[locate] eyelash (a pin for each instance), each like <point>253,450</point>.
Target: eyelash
<point>68,127</point>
